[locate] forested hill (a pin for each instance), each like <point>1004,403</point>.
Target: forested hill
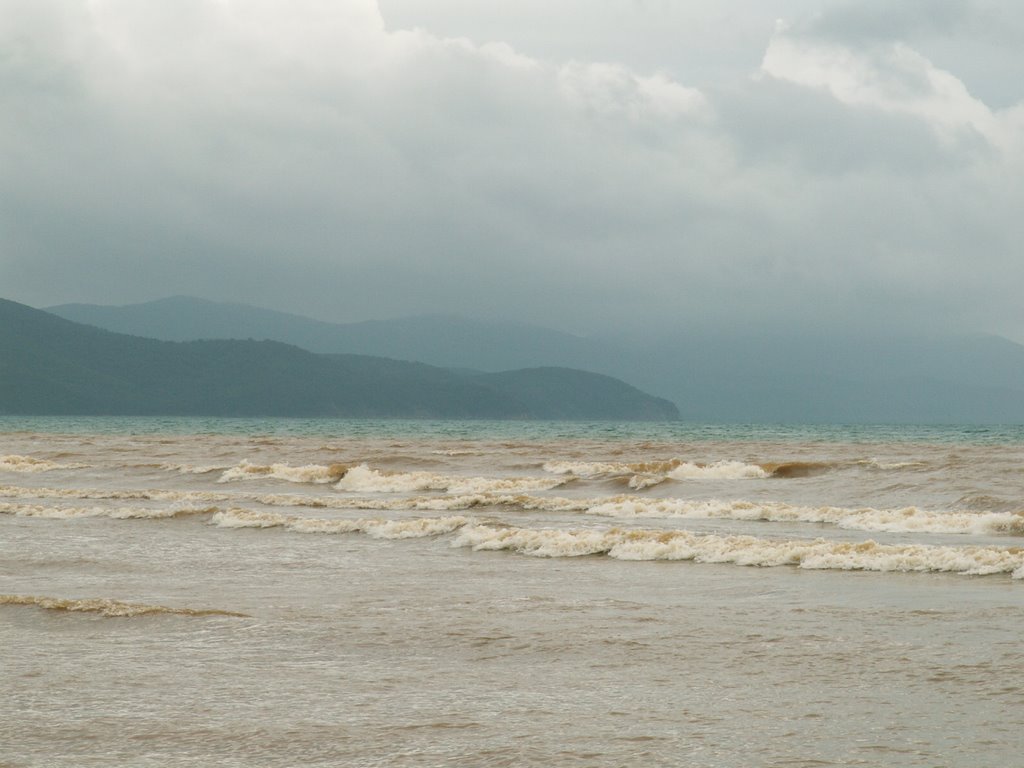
<point>49,365</point>
<point>737,375</point>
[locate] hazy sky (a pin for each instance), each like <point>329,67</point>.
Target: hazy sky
<point>586,164</point>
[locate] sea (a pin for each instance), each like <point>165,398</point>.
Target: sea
<point>279,592</point>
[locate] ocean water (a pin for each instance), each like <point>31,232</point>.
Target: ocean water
<point>179,592</point>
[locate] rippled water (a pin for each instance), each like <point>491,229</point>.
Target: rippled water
<point>295,592</point>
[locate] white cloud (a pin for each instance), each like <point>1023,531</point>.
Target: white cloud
<point>891,77</point>
<point>613,90</point>
<point>306,155</point>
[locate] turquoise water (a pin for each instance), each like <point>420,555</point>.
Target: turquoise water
<point>516,430</point>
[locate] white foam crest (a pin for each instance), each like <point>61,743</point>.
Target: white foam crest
<point>914,520</point>
<point>363,479</point>
<point>720,470</point>
<point>425,503</point>
<point>586,469</point>
<point>107,607</point>
<point>116,513</point>
<point>307,473</point>
<point>376,528</point>
<point>642,474</point>
<point>890,465</point>
<point>819,554</point>
<point>19,492</point>
<point>650,472</point>
<point>193,469</point>
<point>905,520</point>
<point>28,464</point>
<point>437,503</point>
<point>640,482</point>
<point>413,529</point>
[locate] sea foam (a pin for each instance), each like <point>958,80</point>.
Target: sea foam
<point>307,473</point>
<point>363,479</point>
<point>116,513</point>
<point>821,554</point>
<point>107,607</point>
<point>650,472</point>
<point>380,528</point>
<point>16,463</point>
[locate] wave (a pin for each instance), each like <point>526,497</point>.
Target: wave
<point>191,469</point>
<point>309,473</point>
<point>617,542</point>
<point>376,528</point>
<point>641,482</point>
<point>19,492</point>
<point>363,479</point>
<point>651,472</point>
<point>904,520</point>
<point>463,501</point>
<point>116,513</point>
<point>988,502</point>
<point>593,469</point>
<point>16,463</point>
<point>818,554</point>
<point>720,470</point>
<point>901,520</point>
<point>107,607</point>
<point>794,469</point>
<point>891,465</point>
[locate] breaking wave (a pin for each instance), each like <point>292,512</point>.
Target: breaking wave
<point>191,469</point>
<point>624,544</point>
<point>720,470</point>
<point>793,469</point>
<point>892,465</point>
<point>116,513</point>
<point>110,608</point>
<point>647,473</point>
<point>593,469</point>
<point>18,492</point>
<point>309,473</point>
<point>363,479</point>
<point>376,528</point>
<point>905,520</point>
<point>185,503</point>
<point>16,463</point>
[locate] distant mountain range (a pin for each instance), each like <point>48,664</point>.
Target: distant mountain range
<point>50,365</point>
<point>443,340</point>
<point>754,377</point>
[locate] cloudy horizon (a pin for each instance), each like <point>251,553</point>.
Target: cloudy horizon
<point>644,164</point>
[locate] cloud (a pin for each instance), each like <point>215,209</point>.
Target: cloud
<point>875,20</point>
<point>890,77</point>
<point>611,90</point>
<point>310,157</point>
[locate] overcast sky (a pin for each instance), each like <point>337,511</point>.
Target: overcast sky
<point>586,164</point>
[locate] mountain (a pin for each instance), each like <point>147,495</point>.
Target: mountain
<point>443,340</point>
<point>817,378</point>
<point>553,394</point>
<point>49,365</point>
<point>715,376</point>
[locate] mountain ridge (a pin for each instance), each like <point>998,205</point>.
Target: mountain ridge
<point>734,376</point>
<point>53,365</point>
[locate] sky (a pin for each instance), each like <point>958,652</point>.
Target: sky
<point>597,166</point>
